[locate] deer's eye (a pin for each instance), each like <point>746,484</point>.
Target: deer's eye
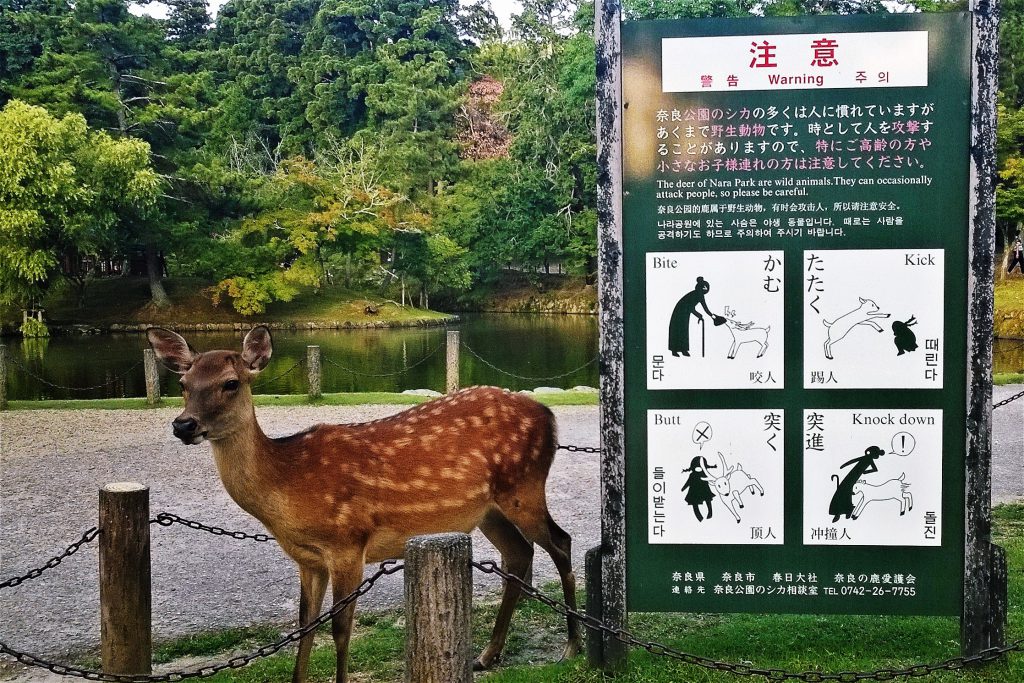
<point>231,385</point>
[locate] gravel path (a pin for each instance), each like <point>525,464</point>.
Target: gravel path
<point>53,462</point>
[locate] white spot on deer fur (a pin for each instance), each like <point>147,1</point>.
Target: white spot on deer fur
<point>452,473</point>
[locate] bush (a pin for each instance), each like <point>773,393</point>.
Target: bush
<point>32,328</point>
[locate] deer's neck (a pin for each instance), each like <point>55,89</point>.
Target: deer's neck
<point>245,460</point>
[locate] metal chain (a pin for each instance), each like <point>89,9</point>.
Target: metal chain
<point>386,568</point>
<point>527,377</point>
<point>271,380</point>
<point>386,374</point>
<point>88,537</point>
<point>48,383</point>
<point>741,669</point>
<point>579,449</point>
<point>1008,400</point>
<point>167,519</point>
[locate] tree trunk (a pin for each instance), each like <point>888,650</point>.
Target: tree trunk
<point>154,270</point>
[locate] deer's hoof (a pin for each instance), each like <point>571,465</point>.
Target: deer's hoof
<point>572,648</point>
<point>480,665</point>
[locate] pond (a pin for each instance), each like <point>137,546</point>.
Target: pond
<point>518,351</point>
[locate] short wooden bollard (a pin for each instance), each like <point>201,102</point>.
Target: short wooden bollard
<point>152,377</point>
<point>452,366</point>
<point>438,602</point>
<point>3,377</point>
<point>126,642</point>
<point>313,372</point>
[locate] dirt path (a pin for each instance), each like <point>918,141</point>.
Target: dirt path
<point>52,463</point>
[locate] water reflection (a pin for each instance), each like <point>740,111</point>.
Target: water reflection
<point>530,346</point>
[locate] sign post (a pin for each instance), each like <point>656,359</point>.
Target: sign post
<point>806,253</point>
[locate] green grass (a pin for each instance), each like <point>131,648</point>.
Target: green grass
<point>1009,295</point>
<point>214,642</point>
<point>791,642</point>
<point>126,300</point>
<point>568,398</point>
<point>1004,378</point>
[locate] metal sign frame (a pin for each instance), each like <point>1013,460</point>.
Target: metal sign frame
<point>984,604</point>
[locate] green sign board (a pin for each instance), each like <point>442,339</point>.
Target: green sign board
<point>795,238</point>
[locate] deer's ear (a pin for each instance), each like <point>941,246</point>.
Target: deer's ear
<point>256,348</point>
<point>171,349</point>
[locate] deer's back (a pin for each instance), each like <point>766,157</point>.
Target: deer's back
<point>435,467</point>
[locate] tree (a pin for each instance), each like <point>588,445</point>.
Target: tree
<point>1011,52</point>
<point>306,215</point>
<point>387,72</point>
<point>188,22</point>
<point>259,43</point>
<point>64,189</point>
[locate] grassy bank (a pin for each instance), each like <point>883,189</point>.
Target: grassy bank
<point>126,301</point>
<point>566,398</point>
<point>791,642</point>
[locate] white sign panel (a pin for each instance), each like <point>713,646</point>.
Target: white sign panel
<point>873,318</point>
<point>801,61</point>
<point>715,320</point>
<point>872,477</point>
<point>716,476</point>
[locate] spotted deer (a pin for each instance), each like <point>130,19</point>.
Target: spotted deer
<point>337,497</point>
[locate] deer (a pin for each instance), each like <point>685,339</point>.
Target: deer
<point>337,497</point>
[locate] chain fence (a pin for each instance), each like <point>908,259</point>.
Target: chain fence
<point>270,380</point>
<point>744,668</point>
<point>53,385</point>
<point>529,378</point>
<point>167,519</point>
<point>385,569</point>
<point>404,370</point>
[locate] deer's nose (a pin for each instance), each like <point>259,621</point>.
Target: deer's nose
<point>184,426</point>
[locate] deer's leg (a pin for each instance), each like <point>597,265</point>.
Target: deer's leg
<point>530,514</point>
<point>516,559</point>
<point>313,579</point>
<point>346,576</point>
<point>559,547</point>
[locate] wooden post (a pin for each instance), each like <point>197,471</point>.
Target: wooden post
<point>595,639</point>
<point>452,368</point>
<point>438,602</point>
<point>607,23</point>
<point>3,377</point>
<point>152,377</point>
<point>983,622</point>
<point>125,603</point>
<point>313,372</point>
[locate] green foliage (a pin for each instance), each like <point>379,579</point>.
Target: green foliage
<point>299,145</point>
<point>33,328</point>
<point>1010,187</point>
<point>64,190</point>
